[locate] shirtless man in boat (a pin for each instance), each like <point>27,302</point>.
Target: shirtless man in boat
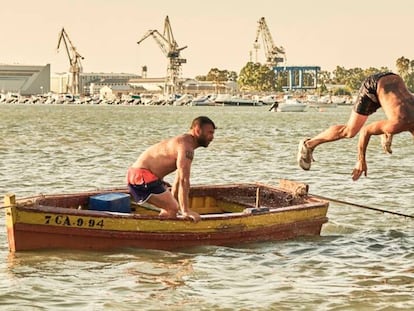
<point>145,176</point>
<point>386,90</point>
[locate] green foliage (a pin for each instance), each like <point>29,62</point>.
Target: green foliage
<point>279,84</point>
<point>201,78</point>
<point>257,77</point>
<point>353,78</point>
<point>405,68</point>
<point>218,75</point>
<point>232,76</point>
<point>322,88</point>
<point>325,76</point>
<point>340,91</point>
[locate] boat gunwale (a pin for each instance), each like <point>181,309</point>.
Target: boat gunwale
<point>248,212</point>
<point>125,190</point>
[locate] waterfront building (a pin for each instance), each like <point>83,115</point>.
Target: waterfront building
<point>91,83</point>
<point>297,77</point>
<point>59,82</point>
<point>185,86</point>
<point>24,79</point>
<point>33,80</point>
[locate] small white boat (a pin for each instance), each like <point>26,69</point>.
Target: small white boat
<point>315,101</point>
<point>289,104</point>
<point>268,100</point>
<point>234,100</point>
<point>183,100</point>
<point>204,100</point>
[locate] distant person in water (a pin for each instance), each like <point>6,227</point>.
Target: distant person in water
<point>386,90</point>
<point>145,176</point>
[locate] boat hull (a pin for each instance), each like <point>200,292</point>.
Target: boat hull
<point>40,236</point>
<point>46,227</point>
<point>320,105</point>
<point>291,107</point>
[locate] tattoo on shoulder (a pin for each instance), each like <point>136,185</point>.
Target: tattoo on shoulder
<point>189,154</point>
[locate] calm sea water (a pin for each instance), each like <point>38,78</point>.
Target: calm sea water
<point>364,260</point>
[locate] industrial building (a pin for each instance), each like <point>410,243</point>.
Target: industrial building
<point>91,83</point>
<point>24,79</point>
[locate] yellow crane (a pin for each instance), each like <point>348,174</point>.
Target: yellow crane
<point>74,60</point>
<point>171,50</point>
<point>274,54</point>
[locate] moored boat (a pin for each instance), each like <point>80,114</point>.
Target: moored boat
<point>314,101</point>
<point>230,214</point>
<point>289,104</point>
<point>203,100</point>
<point>234,100</point>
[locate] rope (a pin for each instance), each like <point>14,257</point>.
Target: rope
<point>362,206</point>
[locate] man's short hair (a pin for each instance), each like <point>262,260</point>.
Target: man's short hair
<point>202,120</point>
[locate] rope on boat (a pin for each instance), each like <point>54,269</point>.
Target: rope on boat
<point>362,206</point>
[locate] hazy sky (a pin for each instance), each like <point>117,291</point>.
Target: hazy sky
<point>218,33</point>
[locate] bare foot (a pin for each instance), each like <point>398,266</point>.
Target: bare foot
<point>304,157</point>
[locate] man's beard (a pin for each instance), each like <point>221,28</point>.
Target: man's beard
<point>202,141</point>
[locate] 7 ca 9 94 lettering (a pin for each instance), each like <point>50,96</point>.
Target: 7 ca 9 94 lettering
<point>83,222</point>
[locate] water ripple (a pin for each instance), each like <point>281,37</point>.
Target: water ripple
<point>362,261</point>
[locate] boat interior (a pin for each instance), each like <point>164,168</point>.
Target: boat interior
<point>218,199</point>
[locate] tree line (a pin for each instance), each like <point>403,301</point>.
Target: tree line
<point>255,77</point>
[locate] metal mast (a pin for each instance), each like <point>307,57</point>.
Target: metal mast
<point>274,54</point>
<point>74,60</point>
<point>171,50</point>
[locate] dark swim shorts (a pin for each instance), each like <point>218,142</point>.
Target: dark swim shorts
<point>142,183</point>
<point>367,102</point>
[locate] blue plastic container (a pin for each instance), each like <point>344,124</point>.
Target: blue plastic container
<point>111,202</point>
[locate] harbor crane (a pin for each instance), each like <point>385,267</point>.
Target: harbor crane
<point>274,54</point>
<point>74,60</point>
<point>171,50</point>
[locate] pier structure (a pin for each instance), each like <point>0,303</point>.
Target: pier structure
<point>297,77</point>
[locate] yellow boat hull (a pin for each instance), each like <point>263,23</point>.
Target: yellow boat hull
<point>64,222</point>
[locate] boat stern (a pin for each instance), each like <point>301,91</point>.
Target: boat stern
<point>10,213</point>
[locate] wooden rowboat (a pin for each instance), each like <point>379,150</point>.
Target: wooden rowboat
<point>230,214</point>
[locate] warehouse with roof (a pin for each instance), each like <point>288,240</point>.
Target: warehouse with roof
<point>24,79</point>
